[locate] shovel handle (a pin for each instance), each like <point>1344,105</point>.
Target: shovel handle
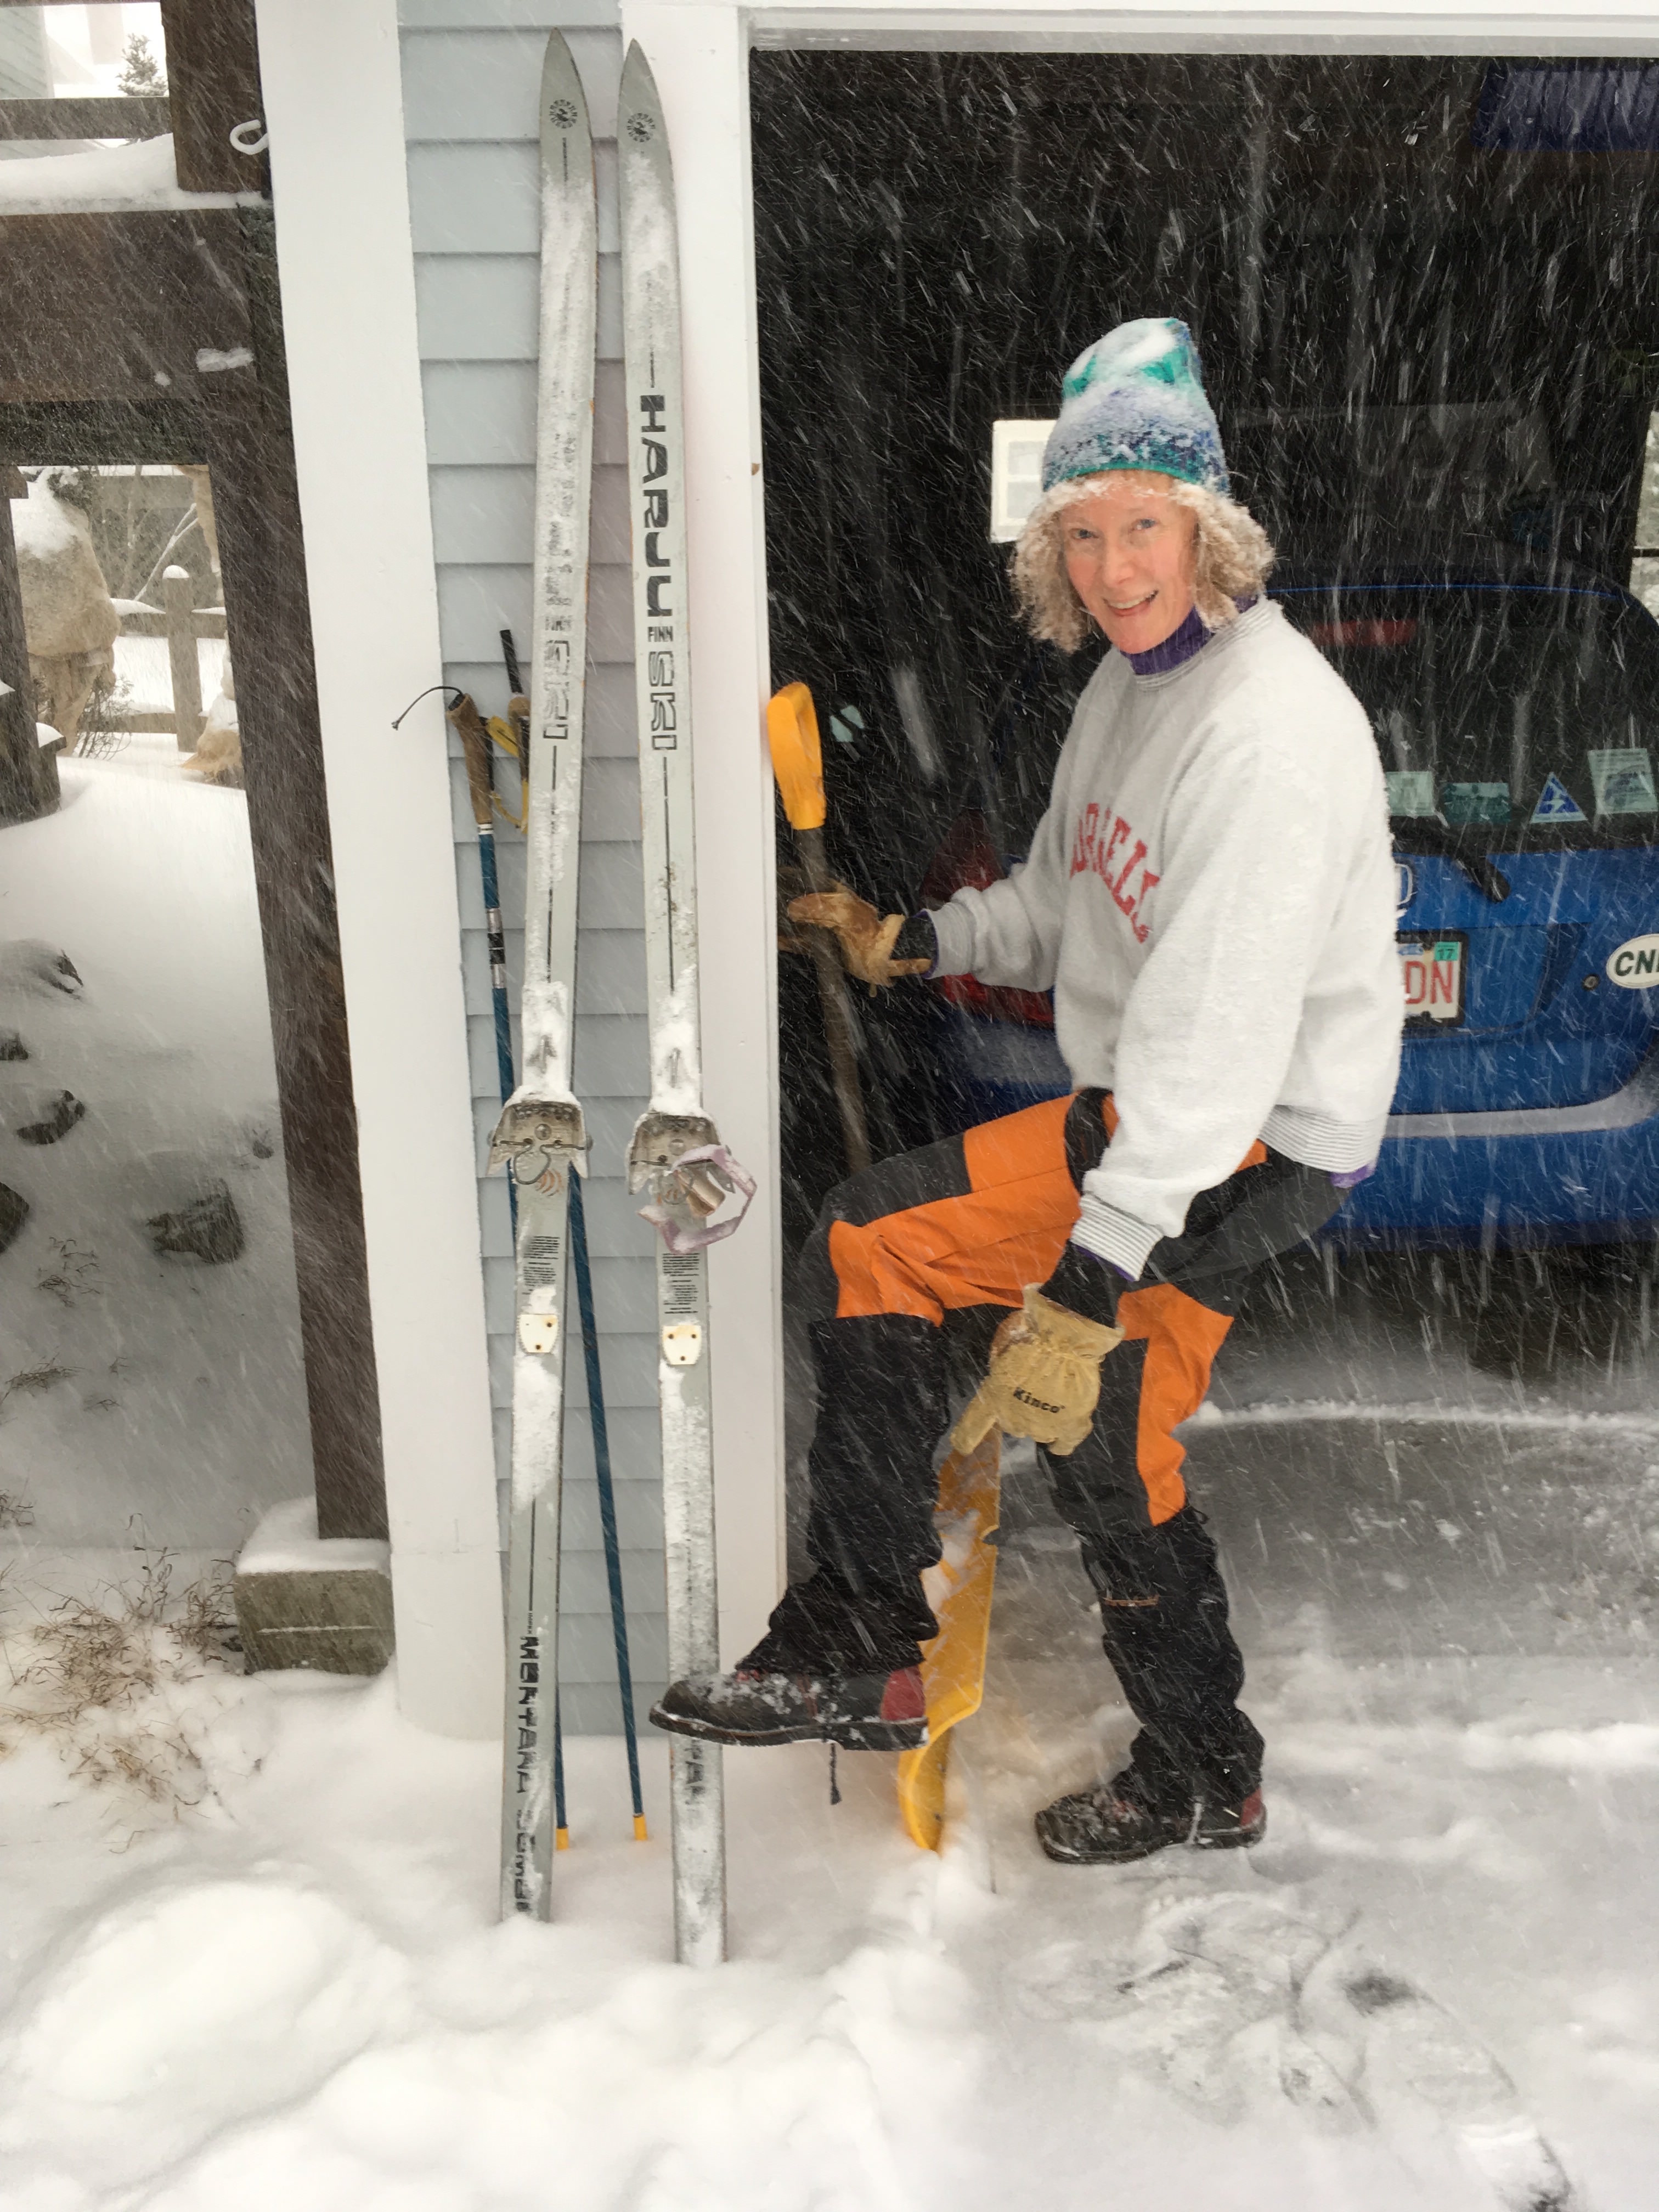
<point>792,731</point>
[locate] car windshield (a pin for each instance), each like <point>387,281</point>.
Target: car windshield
<point>1527,714</point>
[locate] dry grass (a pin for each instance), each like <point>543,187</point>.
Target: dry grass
<point>16,1511</point>
<point>111,701</point>
<point>102,1681</point>
<point>73,1276</point>
<point>30,1382</point>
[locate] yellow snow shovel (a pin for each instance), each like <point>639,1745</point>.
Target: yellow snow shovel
<point>953,1664</point>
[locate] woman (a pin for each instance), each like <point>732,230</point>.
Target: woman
<point>1210,897</point>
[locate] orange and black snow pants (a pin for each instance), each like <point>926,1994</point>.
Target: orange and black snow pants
<point>910,1268</point>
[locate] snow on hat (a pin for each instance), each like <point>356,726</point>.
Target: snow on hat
<point>1135,400</point>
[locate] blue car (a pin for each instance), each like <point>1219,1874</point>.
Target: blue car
<point>1517,711</point>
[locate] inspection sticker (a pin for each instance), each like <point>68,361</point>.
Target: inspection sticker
<point>1623,776</point>
<point>1411,790</point>
<point>1464,802</point>
<point>1432,966</point>
<point>1557,804</point>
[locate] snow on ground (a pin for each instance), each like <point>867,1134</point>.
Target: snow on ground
<point>148,1398</point>
<point>1431,1984</point>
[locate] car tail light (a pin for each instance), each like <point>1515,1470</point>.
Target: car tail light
<point>1375,634</point>
<point>967,859</point>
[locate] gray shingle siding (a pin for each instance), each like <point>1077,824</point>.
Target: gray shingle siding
<point>471,72</point>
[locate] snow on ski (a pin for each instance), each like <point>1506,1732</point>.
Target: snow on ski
<point>540,1136</point>
<point>675,1152</point>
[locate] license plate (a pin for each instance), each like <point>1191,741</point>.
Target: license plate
<point>1432,963</point>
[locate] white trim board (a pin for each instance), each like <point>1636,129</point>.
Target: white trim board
<point>1091,30</point>
<point>334,106</point>
<point>1003,31</point>
<point>1470,27</point>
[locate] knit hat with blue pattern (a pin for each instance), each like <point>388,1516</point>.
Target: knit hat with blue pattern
<point>1135,400</point>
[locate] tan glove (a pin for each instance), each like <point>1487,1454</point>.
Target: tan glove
<point>1044,1380</point>
<point>867,940</point>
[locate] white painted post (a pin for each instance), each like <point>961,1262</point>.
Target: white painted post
<point>178,604</point>
<point>333,104</point>
<point>699,55</point>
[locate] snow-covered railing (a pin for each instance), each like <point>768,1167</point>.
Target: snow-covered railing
<point>181,623</point>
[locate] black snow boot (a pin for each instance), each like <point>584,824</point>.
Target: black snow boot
<point>860,1712</point>
<point>1130,1818</point>
<point>834,1666</point>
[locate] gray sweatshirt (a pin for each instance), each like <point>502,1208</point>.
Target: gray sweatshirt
<point>1211,897</point>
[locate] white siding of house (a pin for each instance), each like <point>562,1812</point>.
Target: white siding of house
<point>471,72</point>
<point>24,71</point>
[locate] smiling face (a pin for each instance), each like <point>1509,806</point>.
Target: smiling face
<point>1132,554</point>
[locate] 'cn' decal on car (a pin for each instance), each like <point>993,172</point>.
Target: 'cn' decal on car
<point>1635,965</point>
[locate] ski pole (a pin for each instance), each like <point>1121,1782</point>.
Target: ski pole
<point>607,1497</point>
<point>481,789</point>
<point>596,1414</point>
<point>791,730</point>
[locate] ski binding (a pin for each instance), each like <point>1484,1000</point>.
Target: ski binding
<point>680,1160</point>
<point>536,1138</point>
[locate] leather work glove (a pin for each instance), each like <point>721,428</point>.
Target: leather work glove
<point>866,938</point>
<point>1044,1380</point>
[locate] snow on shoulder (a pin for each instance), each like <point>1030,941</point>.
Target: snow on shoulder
<point>104,180</point>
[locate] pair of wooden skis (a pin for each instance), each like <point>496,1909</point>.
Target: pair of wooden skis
<point>542,1138</point>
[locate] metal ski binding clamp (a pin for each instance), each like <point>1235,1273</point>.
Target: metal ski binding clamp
<point>680,1159</point>
<point>657,1141</point>
<point>536,1138</point>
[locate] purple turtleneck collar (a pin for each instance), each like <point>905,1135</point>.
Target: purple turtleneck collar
<point>1180,645</point>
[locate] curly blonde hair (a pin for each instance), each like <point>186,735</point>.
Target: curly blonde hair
<point>1234,557</point>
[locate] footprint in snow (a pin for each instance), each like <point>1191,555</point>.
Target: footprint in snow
<point>35,962</point>
<point>1240,2002</point>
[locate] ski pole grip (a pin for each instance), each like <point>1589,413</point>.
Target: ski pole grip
<point>792,732</point>
<point>475,750</point>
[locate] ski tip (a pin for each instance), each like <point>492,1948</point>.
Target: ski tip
<point>564,102</point>
<point>561,1839</point>
<point>638,90</point>
<point>639,1834</point>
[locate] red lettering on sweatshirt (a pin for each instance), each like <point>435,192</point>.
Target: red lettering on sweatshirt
<point>1141,928</point>
<point>1116,887</point>
<point>1090,855</point>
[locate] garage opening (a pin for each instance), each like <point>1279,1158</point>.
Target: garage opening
<point>1425,296</point>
